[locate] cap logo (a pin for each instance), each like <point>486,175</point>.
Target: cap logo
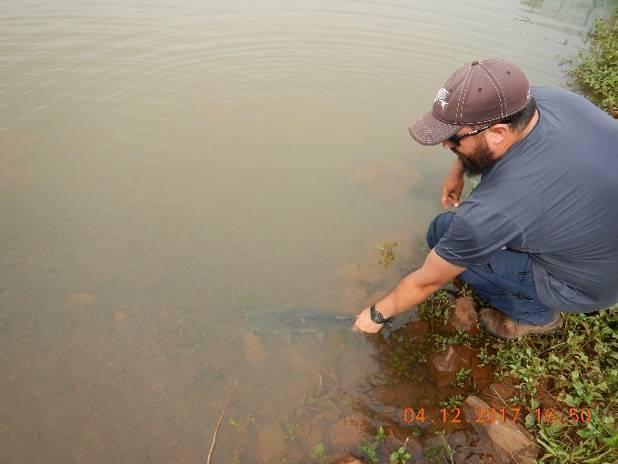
<point>441,97</point>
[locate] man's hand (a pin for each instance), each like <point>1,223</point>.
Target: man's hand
<point>410,291</point>
<point>365,324</point>
<point>453,186</point>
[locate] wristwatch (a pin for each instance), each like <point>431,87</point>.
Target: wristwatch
<point>376,316</point>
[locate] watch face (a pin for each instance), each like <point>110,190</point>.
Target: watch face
<point>376,316</point>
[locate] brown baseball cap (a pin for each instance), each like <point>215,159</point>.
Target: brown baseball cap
<point>479,92</point>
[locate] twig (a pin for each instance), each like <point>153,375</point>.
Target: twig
<point>214,436</point>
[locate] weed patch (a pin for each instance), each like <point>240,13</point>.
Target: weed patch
<point>597,74</point>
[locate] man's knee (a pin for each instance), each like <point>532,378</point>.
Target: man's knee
<point>438,227</point>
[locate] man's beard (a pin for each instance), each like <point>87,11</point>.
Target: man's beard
<point>479,161</point>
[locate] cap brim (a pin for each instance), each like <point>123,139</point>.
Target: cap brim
<point>431,131</point>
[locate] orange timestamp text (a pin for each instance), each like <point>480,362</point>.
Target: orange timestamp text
<point>573,416</point>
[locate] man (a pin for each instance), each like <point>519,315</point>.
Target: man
<point>539,234</point>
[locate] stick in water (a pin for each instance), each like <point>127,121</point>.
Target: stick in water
<point>214,436</point>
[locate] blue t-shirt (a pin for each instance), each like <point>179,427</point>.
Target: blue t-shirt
<point>553,195</point>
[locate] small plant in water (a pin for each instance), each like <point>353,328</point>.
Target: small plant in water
<point>380,436</point>
<point>370,450</point>
<point>452,402</point>
<point>484,355</point>
<point>291,432</point>
<point>387,253</point>
<point>401,455</point>
<point>319,452</point>
<point>462,377</point>
<point>440,453</point>
<point>435,308</point>
<point>460,337</point>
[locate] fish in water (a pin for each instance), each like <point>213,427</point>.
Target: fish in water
<point>285,323</point>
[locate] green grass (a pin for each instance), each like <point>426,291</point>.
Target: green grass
<point>577,366</point>
<point>596,74</point>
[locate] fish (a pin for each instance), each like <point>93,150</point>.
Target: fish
<point>284,324</point>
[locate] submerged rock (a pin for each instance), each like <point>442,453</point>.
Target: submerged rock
<point>347,459</point>
<point>444,366</point>
<point>254,351</point>
<point>498,395</point>
<point>506,441</point>
<point>270,443</point>
<point>349,431</point>
<point>464,316</point>
<point>120,317</point>
<point>81,298</point>
<point>360,274</point>
<point>349,273</point>
<point>387,179</point>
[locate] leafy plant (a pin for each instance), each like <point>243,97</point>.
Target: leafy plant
<point>440,453</point>
<point>387,253</point>
<point>400,456</point>
<point>462,377</point>
<point>452,402</point>
<point>380,435</point>
<point>436,308</point>
<point>579,367</point>
<point>319,452</point>
<point>460,337</point>
<point>597,73</point>
<point>291,431</point>
<point>370,450</point>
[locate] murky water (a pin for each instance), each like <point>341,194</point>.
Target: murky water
<point>166,167</point>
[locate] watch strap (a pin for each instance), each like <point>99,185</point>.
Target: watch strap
<point>376,316</point>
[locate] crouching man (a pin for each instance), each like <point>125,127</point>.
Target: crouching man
<point>539,234</point>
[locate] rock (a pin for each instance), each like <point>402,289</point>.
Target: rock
<point>464,316</point>
<point>270,443</point>
<point>360,274</point>
<point>370,274</point>
<point>82,298</point>
<point>444,366</point>
<point>481,375</point>
<point>310,435</point>
<point>348,432</point>
<point>347,459</point>
<point>417,328</point>
<point>349,273</point>
<point>298,363</point>
<point>120,317</point>
<point>388,180</point>
<point>498,395</point>
<point>254,351</point>
<point>506,441</point>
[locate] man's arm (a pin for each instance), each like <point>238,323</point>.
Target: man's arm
<point>453,185</point>
<point>411,290</point>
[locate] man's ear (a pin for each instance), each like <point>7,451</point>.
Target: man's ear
<point>497,134</point>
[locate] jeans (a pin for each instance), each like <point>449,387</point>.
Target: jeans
<point>506,281</point>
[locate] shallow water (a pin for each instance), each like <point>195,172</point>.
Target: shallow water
<point>168,166</point>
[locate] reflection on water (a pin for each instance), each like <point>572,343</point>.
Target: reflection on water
<point>167,167</point>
